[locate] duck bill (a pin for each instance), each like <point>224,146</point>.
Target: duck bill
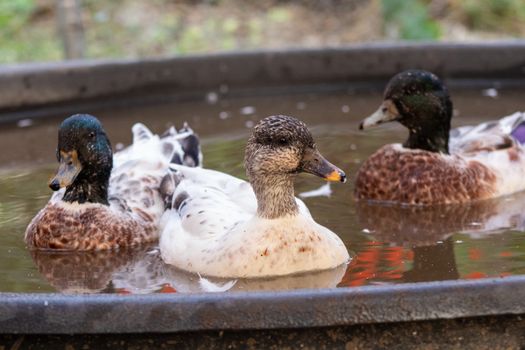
<point>387,112</point>
<point>316,164</point>
<point>67,172</point>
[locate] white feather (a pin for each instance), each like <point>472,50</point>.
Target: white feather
<point>323,191</point>
<point>208,286</point>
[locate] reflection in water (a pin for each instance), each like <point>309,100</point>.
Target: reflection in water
<point>420,237</point>
<point>142,270</point>
<point>416,226</point>
<point>433,263</point>
<point>84,272</point>
<point>322,279</point>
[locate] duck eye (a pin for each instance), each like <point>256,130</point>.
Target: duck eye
<point>283,142</point>
<point>92,134</point>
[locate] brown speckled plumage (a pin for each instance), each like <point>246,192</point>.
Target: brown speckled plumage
<point>421,177</point>
<point>95,227</point>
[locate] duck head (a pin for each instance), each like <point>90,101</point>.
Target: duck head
<point>85,157</point>
<point>279,148</point>
<point>419,101</point>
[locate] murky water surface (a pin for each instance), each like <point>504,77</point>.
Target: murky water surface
<point>389,244</point>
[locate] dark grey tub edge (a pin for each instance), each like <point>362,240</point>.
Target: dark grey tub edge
<point>32,85</point>
<point>107,313</point>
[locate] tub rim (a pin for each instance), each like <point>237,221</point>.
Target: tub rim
<point>53,313</point>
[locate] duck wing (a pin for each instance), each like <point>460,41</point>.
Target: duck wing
<point>182,147</point>
<point>203,200</point>
<point>139,169</point>
<point>506,133</point>
<point>137,173</point>
<point>207,202</point>
<point>497,145</point>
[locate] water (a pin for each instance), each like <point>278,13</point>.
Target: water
<point>389,244</point>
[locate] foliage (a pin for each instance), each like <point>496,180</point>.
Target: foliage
<point>410,20</point>
<point>493,15</point>
<point>131,28</point>
<point>19,41</point>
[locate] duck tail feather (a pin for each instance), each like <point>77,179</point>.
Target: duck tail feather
<point>191,148</point>
<point>186,128</point>
<point>141,133</point>
<point>186,146</point>
<point>190,153</point>
<point>512,125</point>
<point>518,127</point>
<point>170,132</point>
<point>182,147</point>
<point>167,188</point>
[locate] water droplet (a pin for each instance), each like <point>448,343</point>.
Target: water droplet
<point>24,123</point>
<point>224,115</point>
<point>247,110</point>
<point>212,97</point>
<point>223,88</point>
<point>249,124</point>
<point>490,92</point>
<point>345,108</point>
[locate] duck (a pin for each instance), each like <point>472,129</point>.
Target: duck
<point>221,226</point>
<point>105,201</point>
<point>437,165</point>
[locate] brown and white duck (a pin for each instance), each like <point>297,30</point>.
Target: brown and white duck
<point>222,226</point>
<point>436,165</point>
<point>104,201</point>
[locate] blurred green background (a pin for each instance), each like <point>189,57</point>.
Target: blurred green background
<point>51,30</point>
